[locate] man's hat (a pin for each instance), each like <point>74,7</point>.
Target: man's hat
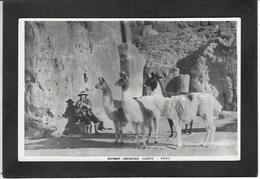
<point>83,93</point>
<point>70,101</point>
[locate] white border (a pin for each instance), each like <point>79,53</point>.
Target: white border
<point>1,85</point>
<point>258,73</point>
<point>131,19</point>
<point>21,89</point>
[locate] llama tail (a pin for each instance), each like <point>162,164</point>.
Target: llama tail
<point>217,107</point>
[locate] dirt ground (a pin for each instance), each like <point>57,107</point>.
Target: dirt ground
<point>103,145</point>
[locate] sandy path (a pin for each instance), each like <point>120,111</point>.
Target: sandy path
<point>102,145</point>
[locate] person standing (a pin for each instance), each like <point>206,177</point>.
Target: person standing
<point>71,115</point>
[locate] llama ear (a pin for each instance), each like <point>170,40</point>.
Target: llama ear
<point>124,74</point>
<point>102,79</point>
<point>99,79</point>
<point>149,74</point>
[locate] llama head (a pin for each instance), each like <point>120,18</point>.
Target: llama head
<point>152,80</point>
<point>123,81</point>
<point>101,84</point>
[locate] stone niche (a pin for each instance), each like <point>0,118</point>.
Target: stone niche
<point>132,63</point>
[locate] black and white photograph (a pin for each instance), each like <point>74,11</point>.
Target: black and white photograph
<point>115,89</point>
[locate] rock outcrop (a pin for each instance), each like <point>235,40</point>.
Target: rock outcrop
<point>204,50</point>
<point>62,59</point>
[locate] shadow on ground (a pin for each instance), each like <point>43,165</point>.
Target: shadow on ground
<point>226,127</point>
<point>106,140</point>
<point>66,142</point>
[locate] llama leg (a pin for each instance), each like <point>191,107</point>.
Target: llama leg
<point>96,127</point>
<point>116,131</point>
<point>90,129</point>
<point>191,123</point>
<point>156,128</point>
<point>171,127</point>
<point>212,129</point>
<point>208,132</point>
<point>150,133</point>
<point>121,132</point>
<point>179,137</point>
<point>86,129</point>
<point>142,126</point>
<point>205,144</point>
<point>136,134</point>
<point>206,137</point>
<point>88,126</point>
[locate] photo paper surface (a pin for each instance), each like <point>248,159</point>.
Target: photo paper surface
<point>153,89</point>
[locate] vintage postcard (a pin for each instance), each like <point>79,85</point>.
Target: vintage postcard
<point>124,89</point>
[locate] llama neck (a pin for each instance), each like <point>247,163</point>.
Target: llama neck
<point>126,94</point>
<point>126,97</point>
<point>107,96</point>
<point>158,90</point>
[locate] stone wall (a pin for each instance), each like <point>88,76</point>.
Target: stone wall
<point>57,54</point>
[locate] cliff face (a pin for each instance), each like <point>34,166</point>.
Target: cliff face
<point>57,54</point>
<point>204,50</point>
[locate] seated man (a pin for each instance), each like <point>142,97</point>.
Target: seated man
<point>85,122</point>
<point>83,106</point>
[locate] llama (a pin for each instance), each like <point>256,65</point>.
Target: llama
<point>113,109</point>
<point>184,108</point>
<point>134,110</point>
<point>156,104</point>
<point>156,90</point>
